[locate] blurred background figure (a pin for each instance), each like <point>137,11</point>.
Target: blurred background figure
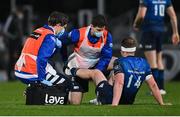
<point>150,20</point>
<point>13,34</point>
<point>4,57</point>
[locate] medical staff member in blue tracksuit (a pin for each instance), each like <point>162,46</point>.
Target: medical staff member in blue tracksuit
<point>33,64</point>
<point>93,50</point>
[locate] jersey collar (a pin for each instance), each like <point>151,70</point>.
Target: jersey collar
<point>49,27</point>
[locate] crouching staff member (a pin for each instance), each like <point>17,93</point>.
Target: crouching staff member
<point>93,50</point>
<point>32,65</point>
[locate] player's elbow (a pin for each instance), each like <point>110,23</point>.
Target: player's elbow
<point>119,82</point>
<point>119,79</point>
<point>141,14</point>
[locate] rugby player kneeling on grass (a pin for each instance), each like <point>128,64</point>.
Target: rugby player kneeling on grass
<point>129,74</point>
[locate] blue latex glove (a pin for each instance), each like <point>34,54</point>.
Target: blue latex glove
<point>46,82</point>
<point>58,43</point>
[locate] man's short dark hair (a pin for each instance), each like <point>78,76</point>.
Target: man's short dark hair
<point>129,42</point>
<point>56,18</point>
<point>99,21</point>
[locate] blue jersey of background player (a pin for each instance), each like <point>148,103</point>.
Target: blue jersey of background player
<point>150,18</point>
<point>154,18</point>
<point>129,74</point>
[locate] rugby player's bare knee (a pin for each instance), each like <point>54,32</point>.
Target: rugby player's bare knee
<point>76,98</point>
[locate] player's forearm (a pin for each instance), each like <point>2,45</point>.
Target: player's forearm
<point>173,18</point>
<point>117,91</point>
<point>138,21</point>
<point>156,94</point>
<point>139,17</point>
<point>174,25</point>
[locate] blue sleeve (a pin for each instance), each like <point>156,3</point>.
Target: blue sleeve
<point>117,67</point>
<point>45,52</point>
<point>106,54</point>
<point>74,35</point>
<point>169,3</point>
<point>64,53</point>
<point>70,38</point>
<point>143,3</point>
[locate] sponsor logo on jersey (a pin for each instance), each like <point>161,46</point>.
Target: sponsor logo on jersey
<point>76,87</point>
<point>101,86</point>
<point>35,35</point>
<point>148,46</point>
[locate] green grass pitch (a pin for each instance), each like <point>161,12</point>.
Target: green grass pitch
<point>12,102</point>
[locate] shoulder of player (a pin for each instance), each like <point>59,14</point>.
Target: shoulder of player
<point>120,60</point>
<point>134,58</point>
<point>124,59</point>
<point>143,61</point>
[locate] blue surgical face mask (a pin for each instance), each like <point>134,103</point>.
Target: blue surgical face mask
<point>98,34</point>
<point>61,33</point>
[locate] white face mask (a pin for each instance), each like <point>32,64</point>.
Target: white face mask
<point>98,34</point>
<point>61,32</point>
